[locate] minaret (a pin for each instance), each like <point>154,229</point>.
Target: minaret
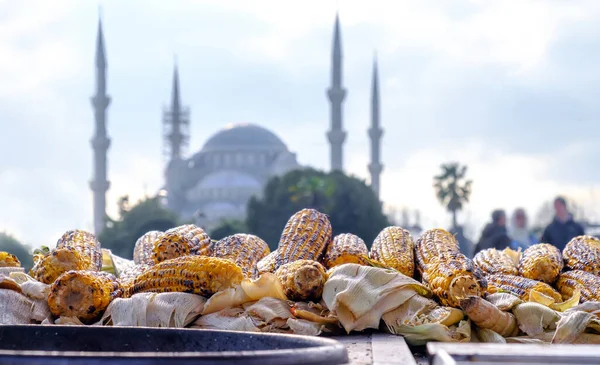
<point>336,94</point>
<point>375,133</point>
<point>100,141</point>
<point>176,122</point>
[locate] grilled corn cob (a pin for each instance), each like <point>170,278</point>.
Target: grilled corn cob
<point>345,248</point>
<point>58,261</point>
<point>492,261</point>
<point>520,286</point>
<point>542,262</point>
<point>267,264</point>
<point>302,280</point>
<point>127,277</point>
<point>142,252</point>
<point>395,248</point>
<point>85,242</point>
<point>180,241</point>
<point>201,275</point>
<point>305,237</point>
<point>9,260</point>
<point>588,283</point>
<point>449,274</point>
<point>583,253</point>
<point>245,250</point>
<point>83,294</point>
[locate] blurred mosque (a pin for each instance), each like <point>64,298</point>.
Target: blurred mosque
<point>235,163</point>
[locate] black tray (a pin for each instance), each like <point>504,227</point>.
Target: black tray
<point>90,345</point>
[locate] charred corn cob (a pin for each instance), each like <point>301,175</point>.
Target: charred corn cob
<point>58,261</point>
<point>542,262</point>
<point>492,261</point>
<point>83,294</point>
<point>267,264</point>
<point>519,286</point>
<point>305,237</point>
<point>583,253</point>
<point>395,248</point>
<point>127,277</point>
<point>449,274</point>
<point>344,249</point>
<point>181,241</point>
<point>142,252</point>
<point>245,250</point>
<point>302,280</point>
<point>85,242</point>
<point>196,274</point>
<point>588,283</point>
<point>9,260</point>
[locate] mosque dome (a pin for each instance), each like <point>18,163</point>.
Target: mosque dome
<point>244,136</point>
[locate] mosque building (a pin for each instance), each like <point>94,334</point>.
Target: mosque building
<point>234,164</point>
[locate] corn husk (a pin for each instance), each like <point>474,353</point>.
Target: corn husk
<point>17,308</point>
<point>154,310</point>
<point>230,319</point>
<point>267,285</point>
<point>535,319</point>
<point>361,295</point>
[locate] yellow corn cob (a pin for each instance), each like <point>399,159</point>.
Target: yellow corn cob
<point>344,249</point>
<point>583,253</point>
<point>127,277</point>
<point>492,261</point>
<point>449,274</point>
<point>9,260</point>
<point>588,283</point>
<point>267,264</point>
<point>142,252</point>
<point>83,294</point>
<point>302,280</point>
<point>85,242</point>
<point>58,261</point>
<point>304,237</point>
<point>542,262</point>
<point>395,248</point>
<point>201,275</point>
<point>520,286</point>
<point>181,241</point>
<point>245,250</point>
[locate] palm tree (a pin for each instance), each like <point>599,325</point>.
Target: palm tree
<point>452,189</point>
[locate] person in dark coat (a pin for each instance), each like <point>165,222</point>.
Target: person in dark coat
<point>563,228</point>
<point>494,234</point>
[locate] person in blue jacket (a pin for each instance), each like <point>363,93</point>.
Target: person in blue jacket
<point>521,236</point>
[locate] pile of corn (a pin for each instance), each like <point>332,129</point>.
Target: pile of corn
<point>313,283</point>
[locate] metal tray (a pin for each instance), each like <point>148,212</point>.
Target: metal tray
<point>53,344</point>
<point>514,354</point>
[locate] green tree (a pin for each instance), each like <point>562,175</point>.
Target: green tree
<point>228,228</point>
<point>452,188</point>
<point>351,205</point>
<point>11,245</point>
<point>147,215</point>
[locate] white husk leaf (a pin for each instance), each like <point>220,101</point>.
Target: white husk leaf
<point>421,334</point>
<point>154,310</point>
<point>304,327</point>
<point>360,295</point>
<point>270,308</point>
<point>504,301</point>
<point>15,308</point>
<point>231,319</point>
<point>68,321</point>
<point>535,318</point>
<point>572,325</point>
<point>31,287</point>
<point>6,271</point>
<point>489,336</point>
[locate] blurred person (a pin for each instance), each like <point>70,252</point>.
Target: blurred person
<point>519,231</point>
<point>563,228</point>
<point>494,234</point>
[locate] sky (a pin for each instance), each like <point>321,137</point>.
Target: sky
<point>508,88</point>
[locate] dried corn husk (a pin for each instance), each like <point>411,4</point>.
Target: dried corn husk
<point>360,295</point>
<point>572,325</point>
<point>154,310</point>
<point>30,287</point>
<point>504,301</point>
<point>231,319</point>
<point>269,309</point>
<point>304,327</point>
<point>17,308</point>
<point>267,285</point>
<point>535,319</point>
